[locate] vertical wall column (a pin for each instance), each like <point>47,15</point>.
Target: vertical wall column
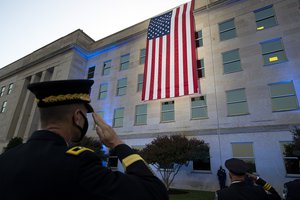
<point>26,109</point>
<point>33,121</point>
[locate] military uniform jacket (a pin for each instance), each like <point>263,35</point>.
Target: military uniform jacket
<point>242,191</point>
<point>42,169</point>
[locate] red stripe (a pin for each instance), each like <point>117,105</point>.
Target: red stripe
<point>193,46</point>
<point>176,53</point>
<point>184,45</point>
<point>145,72</point>
<point>159,67</point>
<point>152,69</point>
<point>168,67</point>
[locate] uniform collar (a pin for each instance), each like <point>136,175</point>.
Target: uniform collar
<point>47,135</point>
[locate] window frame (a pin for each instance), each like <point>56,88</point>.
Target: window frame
<point>260,28</point>
<point>142,56</point>
<point>200,68</point>
<point>283,96</point>
<point>10,87</point>
<point>203,170</point>
<point>117,118</point>
<point>200,106</point>
<point>3,107</point>
<point>231,62</point>
<point>236,102</point>
<point>124,65</point>
<point>101,92</point>
<point>274,59</point>
<point>105,69</point>
<point>199,39</point>
<point>121,87</point>
<point>91,72</point>
<point>165,111</point>
<point>137,115</point>
<point>2,91</point>
<point>245,157</point>
<point>284,158</point>
<point>233,29</point>
<point>140,82</point>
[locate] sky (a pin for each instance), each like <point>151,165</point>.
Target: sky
<point>27,25</point>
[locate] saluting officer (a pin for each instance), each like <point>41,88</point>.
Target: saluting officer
<point>46,168</point>
<point>240,189</point>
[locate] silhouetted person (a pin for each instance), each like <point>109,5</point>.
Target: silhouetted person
<point>221,177</point>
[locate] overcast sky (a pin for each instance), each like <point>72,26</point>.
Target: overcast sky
<point>27,25</point>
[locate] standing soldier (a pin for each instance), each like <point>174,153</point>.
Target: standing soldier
<point>222,177</point>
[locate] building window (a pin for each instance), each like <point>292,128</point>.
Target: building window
<point>244,151</point>
<point>283,96</point>
<point>124,62</point>
<point>10,87</point>
<point>2,91</point>
<point>103,91</point>
<point>3,108</point>
<point>141,114</point>
<point>142,56</point>
<point>121,87</point>
<point>118,117</point>
<point>231,61</point>
<point>91,72</point>
<point>140,82</point>
<point>227,30</point>
<point>236,102</point>
<point>106,67</point>
<point>199,39</point>
<point>200,68</point>
<point>273,52</point>
<point>167,111</point>
<point>265,18</point>
<point>291,162</point>
<point>202,164</point>
<point>199,107</point>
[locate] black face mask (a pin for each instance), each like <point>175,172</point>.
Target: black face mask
<point>84,129</point>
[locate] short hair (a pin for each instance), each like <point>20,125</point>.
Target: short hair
<point>60,113</point>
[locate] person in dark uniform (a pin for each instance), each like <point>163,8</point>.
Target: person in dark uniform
<point>46,168</point>
<point>221,177</point>
<point>291,189</point>
<point>240,190</point>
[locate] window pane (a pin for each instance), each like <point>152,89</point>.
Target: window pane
<point>267,23</point>
<point>242,150</point>
<point>199,40</point>
<point>142,56</point>
<point>168,106</point>
<point>140,82</point>
<point>274,58</point>
<point>226,25</point>
<point>106,67</point>
<point>232,67</point>
<point>230,56</point>
<point>268,47</point>
<point>119,113</point>
<point>118,122</point>
<point>200,112</point>
<point>264,13</point>
<point>122,82</point>
<point>282,89</point>
<point>141,119</point>
<point>121,91</point>
<point>202,165</point>
<point>236,95</point>
<point>237,108</point>
<point>91,72</point>
<point>141,109</point>
<point>168,116</point>
<point>292,166</point>
<point>199,101</point>
<point>285,103</point>
<point>228,35</point>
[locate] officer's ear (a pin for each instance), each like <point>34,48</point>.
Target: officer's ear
<point>77,116</point>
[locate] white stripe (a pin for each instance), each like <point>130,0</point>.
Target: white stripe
<point>189,50</point>
<point>172,94</point>
<point>148,85</point>
<point>155,84</point>
<point>180,52</point>
<point>163,69</point>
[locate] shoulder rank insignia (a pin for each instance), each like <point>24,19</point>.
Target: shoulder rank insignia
<point>78,150</point>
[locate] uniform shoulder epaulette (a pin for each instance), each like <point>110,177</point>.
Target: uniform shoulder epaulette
<point>78,150</point>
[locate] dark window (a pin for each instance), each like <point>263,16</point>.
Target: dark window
<point>91,72</point>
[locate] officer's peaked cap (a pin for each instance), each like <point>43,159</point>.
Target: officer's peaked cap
<point>62,92</point>
<point>236,166</point>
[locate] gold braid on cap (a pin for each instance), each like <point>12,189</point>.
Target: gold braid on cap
<point>80,96</point>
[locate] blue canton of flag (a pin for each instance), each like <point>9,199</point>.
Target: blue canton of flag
<point>159,26</point>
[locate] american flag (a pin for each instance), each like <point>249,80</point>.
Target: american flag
<point>170,64</point>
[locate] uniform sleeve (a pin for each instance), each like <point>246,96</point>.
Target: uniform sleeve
<point>272,193</point>
<point>137,183</point>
